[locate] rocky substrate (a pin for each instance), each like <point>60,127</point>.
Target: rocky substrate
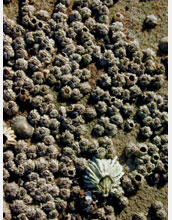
<point>73,80</point>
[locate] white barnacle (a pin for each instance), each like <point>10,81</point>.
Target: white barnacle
<point>9,136</point>
<point>103,175</point>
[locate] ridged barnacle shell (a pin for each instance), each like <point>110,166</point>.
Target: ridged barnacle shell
<point>103,175</point>
<point>9,136</point>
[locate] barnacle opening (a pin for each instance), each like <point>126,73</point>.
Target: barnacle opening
<point>105,185</point>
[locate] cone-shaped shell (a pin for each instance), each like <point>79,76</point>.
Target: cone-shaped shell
<point>103,175</point>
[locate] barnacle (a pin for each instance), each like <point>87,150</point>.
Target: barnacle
<point>8,135</point>
<point>103,175</point>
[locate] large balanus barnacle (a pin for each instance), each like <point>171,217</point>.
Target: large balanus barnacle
<point>8,135</point>
<point>103,175</point>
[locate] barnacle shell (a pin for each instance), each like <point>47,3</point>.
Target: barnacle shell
<point>103,175</point>
<point>8,133</point>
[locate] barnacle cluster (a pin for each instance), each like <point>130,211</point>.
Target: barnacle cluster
<point>73,80</point>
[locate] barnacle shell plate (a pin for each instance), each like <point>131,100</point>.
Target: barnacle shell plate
<point>103,175</point>
<point>9,135</point>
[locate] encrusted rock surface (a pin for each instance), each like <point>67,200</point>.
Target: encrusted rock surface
<point>80,86</point>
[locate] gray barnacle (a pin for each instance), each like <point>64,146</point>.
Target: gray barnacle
<point>97,52</point>
<point>98,130</point>
<point>104,81</point>
<point>74,16</point>
<point>157,81</point>
<point>69,49</point>
<point>150,21</point>
<point>110,129</point>
<point>27,9</point>
<point>9,95</point>
<point>60,8</point>
<point>68,170</point>
<point>18,30</point>
<point>66,92</point>
<point>79,49</point>
<point>8,156</point>
<point>118,80</point>
<point>21,64</point>
<point>100,153</point>
<point>97,93</point>
<point>112,110</point>
<point>8,25</point>
<point>146,131</point>
<point>31,152</point>
<point>85,88</point>
<point>116,91</point>
<point>6,211</point>
<point>66,78</point>
<point>101,107</point>
<point>49,140</point>
<point>10,108</point>
<point>8,84</point>
<point>34,64</point>
<point>60,17</point>
<point>43,15</point>
<point>163,44</point>
<point>85,74</point>
<point>18,206</point>
<point>102,29</point>
<point>116,26</point>
<point>117,119</point>
<point>8,73</point>
<point>118,103</point>
<point>75,82</point>
<point>145,80</point>
<point>38,77</point>
<point>140,216</point>
<point>22,128</point>
<point>76,94</point>
<point>67,137</point>
<point>105,142</point>
<point>113,70</point>
<point>137,178</point>
<point>6,174</point>
<point>8,52</point>
<point>85,12</point>
<point>60,204</point>
<point>86,59</point>
<point>143,112</point>
<point>45,57</point>
<point>21,53</point>
<point>44,121</point>
<point>131,79</point>
<point>103,19</point>
<point>103,175</point>
<point>129,125</point>
<point>121,53</point>
<point>7,40</point>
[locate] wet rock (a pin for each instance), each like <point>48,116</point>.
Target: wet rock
<point>22,128</point>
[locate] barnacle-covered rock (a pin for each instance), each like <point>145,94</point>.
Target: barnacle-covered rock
<point>80,55</point>
<point>103,175</point>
